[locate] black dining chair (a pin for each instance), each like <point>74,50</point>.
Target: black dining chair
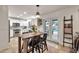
<point>34,44</point>
<point>43,43</point>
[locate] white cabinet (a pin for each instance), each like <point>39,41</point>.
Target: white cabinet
<point>11,33</point>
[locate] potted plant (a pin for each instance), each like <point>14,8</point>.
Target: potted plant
<point>34,28</point>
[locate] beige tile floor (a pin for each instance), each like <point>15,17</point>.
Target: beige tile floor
<point>52,47</point>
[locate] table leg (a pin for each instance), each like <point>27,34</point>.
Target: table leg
<point>19,44</point>
<point>25,41</point>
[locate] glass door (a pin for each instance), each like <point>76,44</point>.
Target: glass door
<point>54,30</point>
<point>47,28</point>
<point>51,28</point>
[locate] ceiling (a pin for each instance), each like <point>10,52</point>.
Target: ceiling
<point>25,11</point>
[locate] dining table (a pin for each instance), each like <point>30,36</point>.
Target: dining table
<point>25,38</point>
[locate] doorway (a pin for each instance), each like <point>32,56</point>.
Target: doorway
<point>51,27</point>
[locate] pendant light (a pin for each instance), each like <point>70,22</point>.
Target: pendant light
<point>37,13</point>
<point>39,19</point>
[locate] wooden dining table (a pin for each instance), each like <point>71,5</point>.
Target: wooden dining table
<point>26,37</point>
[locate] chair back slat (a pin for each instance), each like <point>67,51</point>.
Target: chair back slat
<point>45,36</point>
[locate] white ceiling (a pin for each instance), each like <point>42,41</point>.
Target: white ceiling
<point>18,10</point>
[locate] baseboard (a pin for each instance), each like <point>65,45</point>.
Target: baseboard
<point>53,42</point>
<point>3,49</point>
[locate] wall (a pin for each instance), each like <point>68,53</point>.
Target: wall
<point>60,14</point>
<point>3,27</point>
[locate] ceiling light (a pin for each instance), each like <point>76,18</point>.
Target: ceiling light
<point>24,12</point>
<point>38,16</point>
<point>37,13</point>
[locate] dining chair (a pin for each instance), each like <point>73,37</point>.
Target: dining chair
<point>43,43</point>
<point>34,44</point>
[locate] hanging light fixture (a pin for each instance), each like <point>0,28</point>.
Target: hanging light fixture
<point>39,19</point>
<point>37,13</point>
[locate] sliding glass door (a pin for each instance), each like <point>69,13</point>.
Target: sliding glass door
<point>47,28</point>
<point>54,30</point>
<point>51,27</point>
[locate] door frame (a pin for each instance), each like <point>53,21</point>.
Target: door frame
<point>50,30</point>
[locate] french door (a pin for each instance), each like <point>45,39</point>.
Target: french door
<point>51,27</point>
<point>47,28</point>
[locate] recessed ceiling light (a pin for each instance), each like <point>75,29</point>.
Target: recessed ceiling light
<point>24,12</point>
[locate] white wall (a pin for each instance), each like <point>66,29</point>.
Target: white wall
<point>3,27</point>
<point>60,14</point>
